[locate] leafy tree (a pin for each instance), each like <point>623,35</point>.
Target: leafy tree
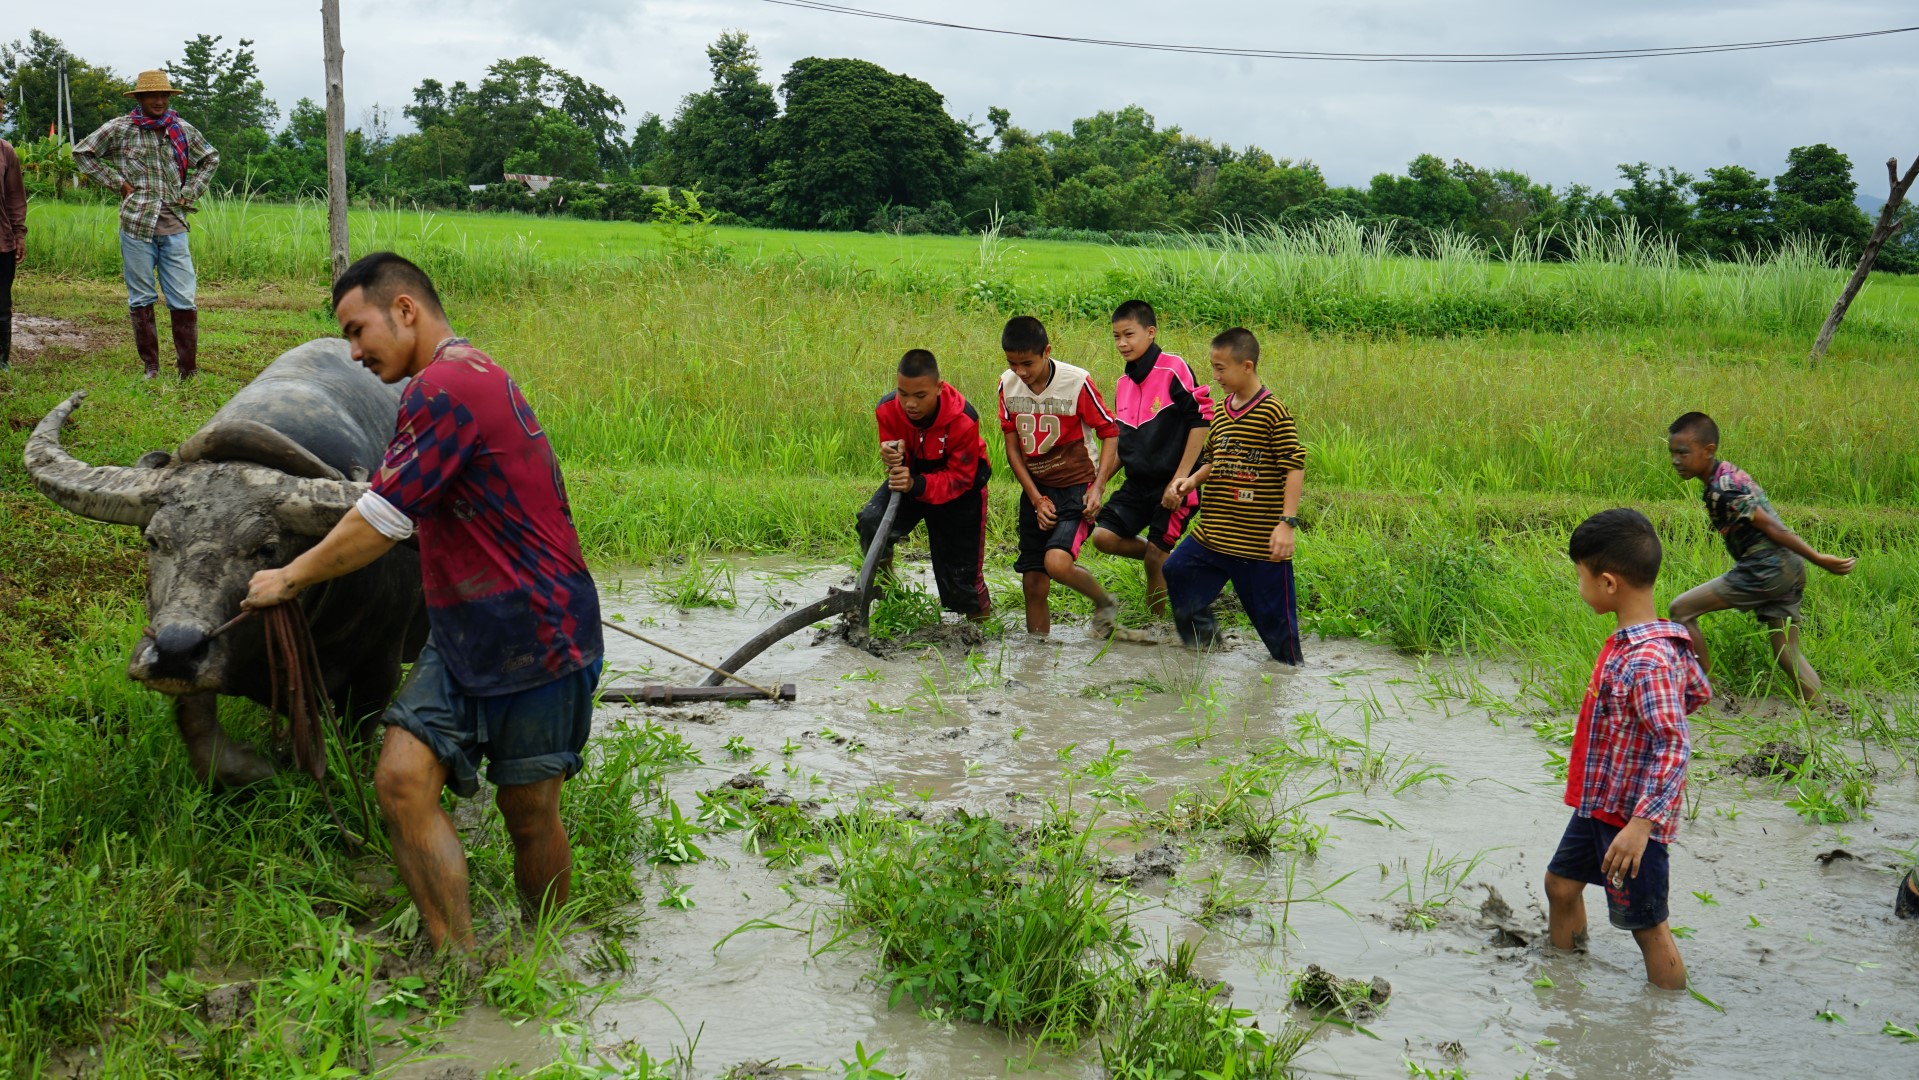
<point>553,145</point>
<point>1430,194</point>
<point>1255,188</point>
<point>1657,201</point>
<point>1815,200</point>
<point>1013,180</point>
<point>33,66</point>
<point>439,152</point>
<point>718,141</point>
<point>856,137</point>
<point>1734,212</point>
<point>646,146</point>
<point>222,95</point>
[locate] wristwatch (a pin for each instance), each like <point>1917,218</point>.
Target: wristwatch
<point>1293,521</point>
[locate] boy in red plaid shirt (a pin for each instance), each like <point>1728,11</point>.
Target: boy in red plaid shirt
<point>1626,776</point>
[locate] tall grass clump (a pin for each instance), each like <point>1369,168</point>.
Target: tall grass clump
<point>1016,931</point>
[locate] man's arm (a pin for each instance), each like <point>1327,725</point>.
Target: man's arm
<point>1108,465</point>
<point>202,160</point>
<point>90,157</point>
<point>1282,543</point>
<point>351,545</point>
<point>1776,531</point>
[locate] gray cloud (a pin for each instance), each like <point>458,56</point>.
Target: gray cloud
<point>1560,122</point>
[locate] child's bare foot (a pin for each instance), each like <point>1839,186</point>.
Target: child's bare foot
<point>1105,618</point>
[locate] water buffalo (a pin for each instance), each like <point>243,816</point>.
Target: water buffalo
<point>267,476</point>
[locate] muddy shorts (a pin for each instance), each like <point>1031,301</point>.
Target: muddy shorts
<point>1636,903</point>
<point>1135,507</point>
<point>1069,531</point>
<point>525,737</point>
<point>1769,584</point>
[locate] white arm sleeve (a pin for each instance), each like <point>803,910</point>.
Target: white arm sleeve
<point>386,520</point>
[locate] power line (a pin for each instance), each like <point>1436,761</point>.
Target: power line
<point>1356,57</point>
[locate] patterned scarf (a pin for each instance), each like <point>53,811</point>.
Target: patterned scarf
<point>169,123</point>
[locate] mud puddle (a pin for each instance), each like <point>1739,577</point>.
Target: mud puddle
<point>33,333</point>
<point>1435,842</point>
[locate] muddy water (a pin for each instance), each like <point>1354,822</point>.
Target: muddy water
<point>1784,938</point>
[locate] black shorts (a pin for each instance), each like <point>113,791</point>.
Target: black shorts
<point>955,538</point>
<point>1069,531</point>
<point>1135,507</point>
<point>1635,903</point>
<point>526,737</point>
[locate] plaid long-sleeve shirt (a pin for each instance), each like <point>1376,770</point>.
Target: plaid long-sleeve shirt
<point>123,152</point>
<point>1631,748</point>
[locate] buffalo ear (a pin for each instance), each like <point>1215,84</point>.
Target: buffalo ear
<point>154,459</point>
<point>357,474</point>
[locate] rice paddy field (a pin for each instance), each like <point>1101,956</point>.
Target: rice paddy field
<point>709,391</point>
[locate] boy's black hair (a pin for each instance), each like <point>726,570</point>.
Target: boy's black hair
<point>1240,343</point>
<point>919,362</point>
<point>1619,542</point>
<point>1698,425</point>
<point>1139,311</point>
<point>384,275</point>
<point>1023,334</point>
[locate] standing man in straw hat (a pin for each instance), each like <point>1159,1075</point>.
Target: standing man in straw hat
<point>160,165</point>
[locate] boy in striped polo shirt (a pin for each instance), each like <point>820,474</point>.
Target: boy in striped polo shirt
<point>1249,478</point>
<point>1049,411</point>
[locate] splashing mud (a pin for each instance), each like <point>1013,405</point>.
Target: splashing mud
<point>1420,817</point>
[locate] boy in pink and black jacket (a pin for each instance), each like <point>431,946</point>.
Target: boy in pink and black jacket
<point>1163,414</point>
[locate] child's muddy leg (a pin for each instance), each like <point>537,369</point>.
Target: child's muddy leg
<point>1565,912</point>
<point>1783,636</point>
<point>1063,569</point>
<point>1664,968</point>
<point>1037,586</point>
<point>1686,609</point>
<point>1155,559</point>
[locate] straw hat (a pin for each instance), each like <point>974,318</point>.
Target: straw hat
<point>152,82</point>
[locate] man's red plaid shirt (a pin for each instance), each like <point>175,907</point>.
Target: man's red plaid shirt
<point>1632,746</point>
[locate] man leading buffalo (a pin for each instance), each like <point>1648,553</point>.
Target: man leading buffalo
<point>161,165</point>
<point>514,652</point>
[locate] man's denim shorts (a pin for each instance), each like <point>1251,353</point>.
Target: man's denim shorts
<point>526,737</point>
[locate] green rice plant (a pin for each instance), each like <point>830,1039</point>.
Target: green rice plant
<point>967,919</point>
<point>1178,1030</point>
<point>701,583</point>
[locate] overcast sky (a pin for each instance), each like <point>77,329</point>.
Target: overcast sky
<point>1561,123</point>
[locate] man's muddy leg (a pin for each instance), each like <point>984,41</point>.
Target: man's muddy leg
<point>1686,609</point>
<point>1783,636</point>
<point>1664,968</point>
<point>426,848</point>
<point>215,758</point>
<point>1566,912</point>
<point>542,857</point>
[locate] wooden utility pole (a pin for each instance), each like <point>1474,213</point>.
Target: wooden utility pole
<point>1889,223</point>
<point>335,136</point>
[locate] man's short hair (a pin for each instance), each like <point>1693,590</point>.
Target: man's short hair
<point>1698,425</point>
<point>1024,334</point>
<point>382,276</point>
<point>1618,542</point>
<point>1239,343</point>
<point>918,363</point>
<point>1139,311</point>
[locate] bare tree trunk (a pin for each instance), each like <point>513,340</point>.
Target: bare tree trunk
<point>335,136</point>
<point>1888,223</point>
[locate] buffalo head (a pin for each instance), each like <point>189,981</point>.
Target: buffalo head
<point>237,497</point>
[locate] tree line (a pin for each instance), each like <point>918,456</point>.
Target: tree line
<point>846,144</point>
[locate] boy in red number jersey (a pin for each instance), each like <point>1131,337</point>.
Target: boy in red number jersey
<point>1047,410</point>
<point>935,459</point>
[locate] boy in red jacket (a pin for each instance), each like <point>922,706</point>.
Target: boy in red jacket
<point>935,458</point>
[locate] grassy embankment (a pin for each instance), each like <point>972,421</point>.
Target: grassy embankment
<point>704,400</point>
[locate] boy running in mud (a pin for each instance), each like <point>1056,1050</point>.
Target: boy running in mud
<point>935,459</point>
<point>1253,471</point>
<point>1046,411</point>
<point>1768,575</point>
<point>1163,414</point>
<point>1626,775</point>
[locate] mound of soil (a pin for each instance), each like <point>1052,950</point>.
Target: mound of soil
<point>1770,759</point>
<point>1326,993</point>
<point>957,638</point>
<point>1141,866</point>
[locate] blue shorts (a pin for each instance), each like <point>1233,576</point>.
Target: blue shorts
<point>526,737</point>
<point>1636,903</point>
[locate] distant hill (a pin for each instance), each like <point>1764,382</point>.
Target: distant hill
<point>1870,204</point>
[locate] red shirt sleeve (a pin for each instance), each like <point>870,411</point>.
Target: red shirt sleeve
<point>890,419</point>
<point>1093,412</point>
<point>1658,699</point>
<point>435,436</point>
<point>1005,418</point>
